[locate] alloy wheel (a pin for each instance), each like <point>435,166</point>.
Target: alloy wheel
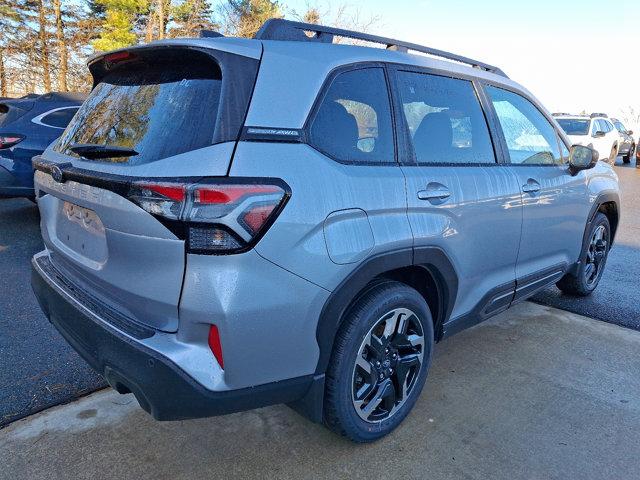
<point>596,255</point>
<point>387,365</point>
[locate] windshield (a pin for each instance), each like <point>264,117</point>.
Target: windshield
<point>574,126</point>
<point>158,110</point>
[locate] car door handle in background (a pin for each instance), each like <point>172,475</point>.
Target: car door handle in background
<point>531,186</point>
<point>434,191</point>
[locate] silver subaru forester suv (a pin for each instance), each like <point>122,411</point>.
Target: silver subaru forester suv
<point>233,223</point>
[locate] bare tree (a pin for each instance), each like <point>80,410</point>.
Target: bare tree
<point>631,116</point>
<point>44,46</point>
<point>62,47</point>
<point>340,16</point>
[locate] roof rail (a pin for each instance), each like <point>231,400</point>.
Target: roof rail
<point>280,29</point>
<point>594,115</point>
<point>560,114</point>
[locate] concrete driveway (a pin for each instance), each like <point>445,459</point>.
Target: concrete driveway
<point>535,393</point>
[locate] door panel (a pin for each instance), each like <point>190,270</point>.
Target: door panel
<point>555,203</point>
<point>478,225</point>
<point>553,218</point>
<point>459,199</point>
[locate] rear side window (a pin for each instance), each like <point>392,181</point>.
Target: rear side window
<point>59,118</point>
<point>531,138</point>
<point>353,122</point>
<point>159,109</point>
<point>445,120</point>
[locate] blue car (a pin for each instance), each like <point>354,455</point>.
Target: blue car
<point>27,126</point>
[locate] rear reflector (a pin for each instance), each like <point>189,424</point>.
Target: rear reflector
<point>218,216</point>
<point>215,345</point>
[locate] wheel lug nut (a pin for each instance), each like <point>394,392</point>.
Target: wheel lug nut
<point>377,364</point>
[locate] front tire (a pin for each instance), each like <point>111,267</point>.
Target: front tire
<point>379,362</point>
<point>592,260</point>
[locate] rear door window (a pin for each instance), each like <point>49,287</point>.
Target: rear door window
<point>353,122</point>
<point>158,109</point>
<point>445,120</point>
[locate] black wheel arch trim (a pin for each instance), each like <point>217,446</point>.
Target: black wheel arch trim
<point>607,197</point>
<point>433,259</point>
<point>601,199</point>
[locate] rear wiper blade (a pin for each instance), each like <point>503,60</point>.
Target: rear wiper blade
<point>93,151</point>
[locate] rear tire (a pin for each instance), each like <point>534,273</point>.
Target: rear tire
<point>379,362</point>
<point>627,158</point>
<point>592,260</point>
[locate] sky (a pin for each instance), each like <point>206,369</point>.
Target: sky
<point>572,55</point>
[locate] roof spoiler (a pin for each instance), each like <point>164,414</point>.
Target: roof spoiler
<point>210,34</point>
<point>287,30</point>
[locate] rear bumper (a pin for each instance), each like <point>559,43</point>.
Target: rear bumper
<point>161,387</point>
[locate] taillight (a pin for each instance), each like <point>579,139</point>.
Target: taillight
<point>8,141</point>
<point>224,216</point>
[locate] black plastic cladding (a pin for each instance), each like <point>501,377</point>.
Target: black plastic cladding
<point>121,185</point>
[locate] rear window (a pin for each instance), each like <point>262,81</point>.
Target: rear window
<point>573,126</point>
<point>159,109</point>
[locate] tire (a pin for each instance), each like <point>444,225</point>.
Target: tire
<point>630,154</point>
<point>368,346</point>
<point>593,256</point>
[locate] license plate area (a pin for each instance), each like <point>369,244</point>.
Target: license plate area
<point>82,232</point>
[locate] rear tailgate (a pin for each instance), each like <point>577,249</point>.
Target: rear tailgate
<point>178,112</point>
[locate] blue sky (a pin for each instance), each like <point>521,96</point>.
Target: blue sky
<point>571,54</point>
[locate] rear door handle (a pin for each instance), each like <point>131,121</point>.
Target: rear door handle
<point>434,191</point>
<point>531,186</point>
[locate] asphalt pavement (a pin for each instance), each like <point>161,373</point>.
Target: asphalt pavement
<point>535,393</point>
<point>38,369</point>
<point>617,298</point>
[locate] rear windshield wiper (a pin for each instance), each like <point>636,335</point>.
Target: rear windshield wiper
<point>94,151</point>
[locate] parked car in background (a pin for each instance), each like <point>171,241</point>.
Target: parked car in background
<point>627,142</point>
<point>303,244</point>
<point>594,131</point>
<point>27,126</point>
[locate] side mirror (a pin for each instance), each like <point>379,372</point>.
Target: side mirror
<point>582,158</point>
<point>629,132</point>
<point>599,134</point>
